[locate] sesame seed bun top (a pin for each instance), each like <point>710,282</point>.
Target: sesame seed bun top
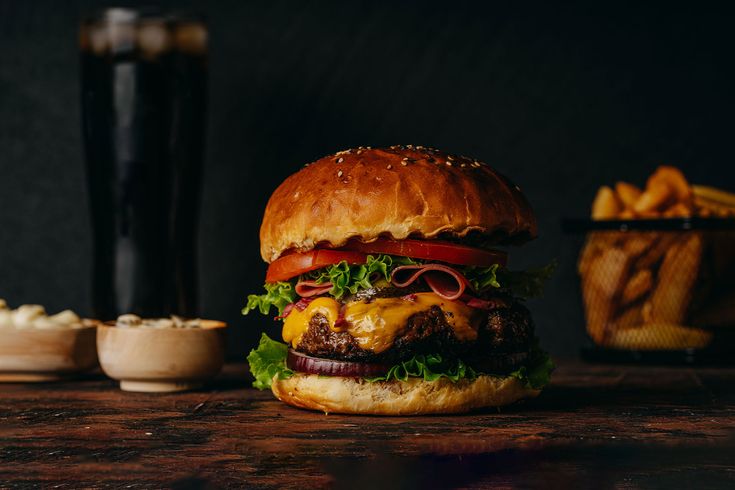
<point>396,192</point>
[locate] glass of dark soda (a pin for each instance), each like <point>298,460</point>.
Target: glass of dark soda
<point>144,97</point>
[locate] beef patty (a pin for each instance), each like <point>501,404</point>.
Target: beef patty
<point>506,334</point>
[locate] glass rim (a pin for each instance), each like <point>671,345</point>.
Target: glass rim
<point>134,15</point>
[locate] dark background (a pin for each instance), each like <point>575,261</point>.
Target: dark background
<point>560,99</point>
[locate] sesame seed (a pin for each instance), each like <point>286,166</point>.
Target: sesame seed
<point>389,166</point>
<point>339,174</point>
<point>463,165</point>
<point>404,163</point>
<point>450,158</point>
<point>405,159</point>
<point>449,164</point>
<point>359,151</point>
<point>340,160</point>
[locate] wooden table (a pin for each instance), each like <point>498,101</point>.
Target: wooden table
<point>596,426</point>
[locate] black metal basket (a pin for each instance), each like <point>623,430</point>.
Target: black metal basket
<point>659,290</point>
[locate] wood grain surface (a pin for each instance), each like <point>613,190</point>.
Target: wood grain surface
<point>596,426</point>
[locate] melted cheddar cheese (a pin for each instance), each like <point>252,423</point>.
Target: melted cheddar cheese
<point>376,324</point>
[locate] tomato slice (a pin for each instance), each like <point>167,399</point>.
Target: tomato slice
<point>442,251</point>
<point>355,252</point>
<point>295,264</point>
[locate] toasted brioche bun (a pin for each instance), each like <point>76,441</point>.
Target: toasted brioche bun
<point>397,192</point>
<point>332,394</point>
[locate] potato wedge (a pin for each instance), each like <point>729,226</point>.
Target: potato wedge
<point>639,243</point>
<point>659,336</point>
<point>714,195</point>
<point>678,210</point>
<point>654,198</point>
<point>676,278</point>
<point>601,286</point>
<point>638,285</point>
<point>598,311</point>
<point>627,193</point>
<point>595,244</point>
<point>631,316</point>
<point>673,178</point>
<point>606,204</point>
<point>654,254</point>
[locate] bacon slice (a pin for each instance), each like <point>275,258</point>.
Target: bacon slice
<point>300,305</point>
<point>443,280</point>
<point>307,289</point>
<point>485,304</point>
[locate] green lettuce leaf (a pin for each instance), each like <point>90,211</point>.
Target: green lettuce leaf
<point>429,367</point>
<point>278,294</point>
<point>352,278</point>
<point>376,272</point>
<point>537,372</point>
<point>525,284</point>
<point>481,278</point>
<point>268,360</point>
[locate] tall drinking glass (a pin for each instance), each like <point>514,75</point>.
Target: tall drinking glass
<point>144,80</point>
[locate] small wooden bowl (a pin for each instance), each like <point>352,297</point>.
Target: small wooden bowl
<point>30,355</point>
<point>161,359</point>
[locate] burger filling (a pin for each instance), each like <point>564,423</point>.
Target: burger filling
<point>393,317</point>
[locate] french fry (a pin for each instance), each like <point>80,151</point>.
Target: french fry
<point>628,193</point>
<point>659,336</point>
<point>606,204</point>
<point>638,285</point>
<point>673,178</point>
<point>676,278</point>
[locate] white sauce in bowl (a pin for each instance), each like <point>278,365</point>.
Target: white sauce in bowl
<point>34,316</point>
<point>134,321</point>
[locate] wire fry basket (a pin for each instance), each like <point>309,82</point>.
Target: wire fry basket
<point>660,289</point>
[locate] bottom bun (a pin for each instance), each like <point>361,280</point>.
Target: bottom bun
<point>412,397</point>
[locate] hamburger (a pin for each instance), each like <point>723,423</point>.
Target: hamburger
<point>388,270</point>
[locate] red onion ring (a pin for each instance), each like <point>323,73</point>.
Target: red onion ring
<point>329,367</point>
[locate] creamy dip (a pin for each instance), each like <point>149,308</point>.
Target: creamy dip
<point>134,321</point>
<point>34,316</point>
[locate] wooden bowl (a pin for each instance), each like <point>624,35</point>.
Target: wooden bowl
<point>29,355</point>
<point>161,359</point>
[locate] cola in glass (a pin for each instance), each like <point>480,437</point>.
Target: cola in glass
<point>144,98</point>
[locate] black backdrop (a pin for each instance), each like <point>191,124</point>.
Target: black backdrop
<point>560,99</point>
